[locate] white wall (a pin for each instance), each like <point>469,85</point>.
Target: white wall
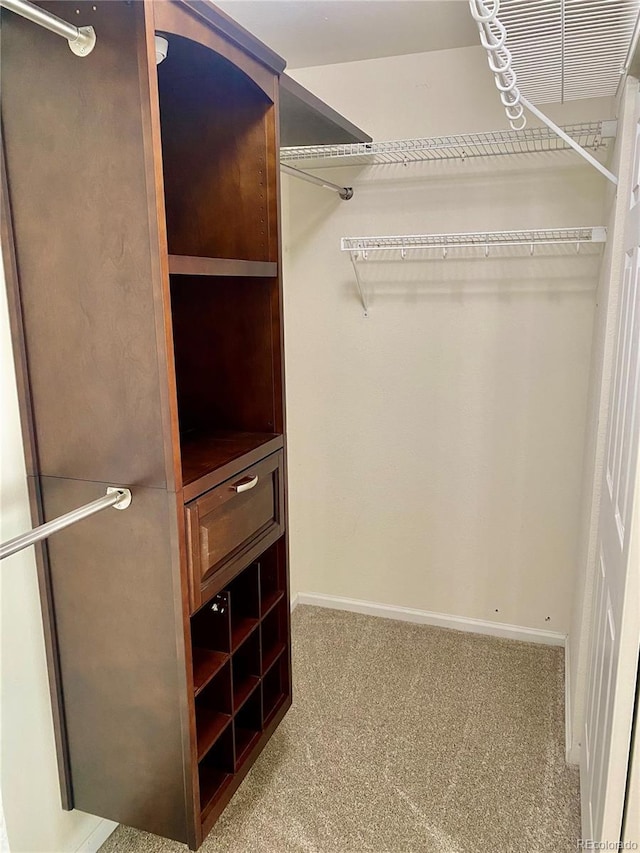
<point>436,447</point>
<point>30,792</point>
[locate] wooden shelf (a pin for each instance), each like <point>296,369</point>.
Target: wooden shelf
<point>206,664</point>
<point>306,120</point>
<point>211,724</point>
<point>271,656</point>
<point>212,784</point>
<point>194,265</point>
<point>243,690</point>
<point>241,631</point>
<point>270,713</point>
<point>246,739</point>
<point>269,601</point>
<point>210,458</point>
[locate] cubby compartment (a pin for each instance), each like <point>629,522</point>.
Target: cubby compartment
<point>224,353</point>
<point>272,579</point>
<point>243,632</point>
<point>275,689</point>
<point>218,144</point>
<point>245,605</point>
<point>210,639</point>
<point>248,725</point>
<point>227,369</point>
<point>216,770</point>
<point>273,636</point>
<point>246,670</point>
<point>213,709</point>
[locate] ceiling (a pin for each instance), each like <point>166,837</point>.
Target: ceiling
<point>321,32</point>
<point>568,49</point>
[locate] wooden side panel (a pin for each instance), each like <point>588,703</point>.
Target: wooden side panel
<point>122,668</point>
<point>83,244</point>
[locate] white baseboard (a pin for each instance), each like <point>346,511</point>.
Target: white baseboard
<point>441,620</point>
<point>573,756</point>
<point>94,841</point>
<point>295,601</point>
<point>568,722</point>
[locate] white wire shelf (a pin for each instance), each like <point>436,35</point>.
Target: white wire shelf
<point>482,239</point>
<point>594,135</point>
<point>486,241</point>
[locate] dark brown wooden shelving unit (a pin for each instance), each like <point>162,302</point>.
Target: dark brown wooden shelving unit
<point>174,388</point>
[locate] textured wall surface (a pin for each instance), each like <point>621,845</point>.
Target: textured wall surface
<point>436,447</point>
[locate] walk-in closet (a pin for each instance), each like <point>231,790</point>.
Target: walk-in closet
<point>321,426</point>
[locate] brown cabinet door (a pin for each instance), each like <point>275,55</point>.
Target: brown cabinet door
<point>228,526</point>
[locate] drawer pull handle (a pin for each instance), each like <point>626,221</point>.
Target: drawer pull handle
<point>245,484</point>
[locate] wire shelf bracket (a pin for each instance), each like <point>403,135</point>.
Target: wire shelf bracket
<point>592,135</point>
<point>494,37</point>
<point>571,142</point>
<point>360,247</point>
<point>361,291</point>
<point>81,40</point>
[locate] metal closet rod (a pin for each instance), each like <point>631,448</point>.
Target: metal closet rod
<point>81,40</point>
<point>118,498</point>
<point>345,193</point>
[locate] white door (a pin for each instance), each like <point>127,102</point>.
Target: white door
<point>616,611</point>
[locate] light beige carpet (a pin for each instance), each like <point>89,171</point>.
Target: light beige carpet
<point>404,739</point>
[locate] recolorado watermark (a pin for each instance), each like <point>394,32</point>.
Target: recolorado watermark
<point>588,844</point>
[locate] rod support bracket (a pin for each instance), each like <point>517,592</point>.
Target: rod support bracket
<point>346,193</point>
<point>84,42</point>
<point>125,500</point>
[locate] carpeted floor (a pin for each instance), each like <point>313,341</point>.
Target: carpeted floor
<point>404,739</point>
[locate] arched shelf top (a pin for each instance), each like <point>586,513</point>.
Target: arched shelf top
<point>191,63</point>
<point>204,33</point>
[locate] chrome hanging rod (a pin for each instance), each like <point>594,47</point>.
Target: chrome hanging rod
<point>81,40</point>
<point>345,193</point>
<point>116,497</point>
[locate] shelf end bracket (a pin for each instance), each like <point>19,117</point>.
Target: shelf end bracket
<point>571,142</point>
<point>356,272</point>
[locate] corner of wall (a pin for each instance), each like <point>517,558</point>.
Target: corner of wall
<point>96,838</point>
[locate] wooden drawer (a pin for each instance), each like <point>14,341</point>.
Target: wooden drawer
<point>232,524</point>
